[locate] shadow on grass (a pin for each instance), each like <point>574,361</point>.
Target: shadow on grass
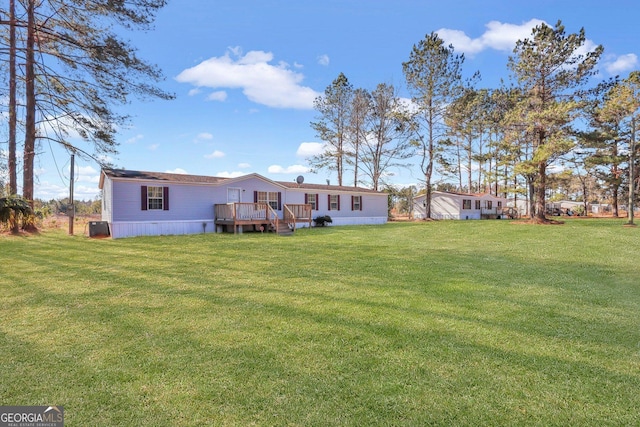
<point>358,335</point>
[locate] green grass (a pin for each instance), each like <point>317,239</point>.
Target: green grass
<point>440,323</point>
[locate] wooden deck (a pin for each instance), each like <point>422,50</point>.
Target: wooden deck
<point>491,213</point>
<point>261,216</point>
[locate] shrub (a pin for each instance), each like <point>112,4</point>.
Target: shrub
<point>12,208</point>
<point>321,221</point>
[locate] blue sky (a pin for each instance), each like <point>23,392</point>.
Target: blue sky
<point>245,74</point>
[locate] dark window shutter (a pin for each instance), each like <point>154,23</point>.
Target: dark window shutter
<point>306,198</point>
<point>338,202</point>
<point>143,198</point>
<point>353,202</point>
<point>279,201</point>
<point>165,198</point>
<point>317,201</point>
<point>361,202</point>
<point>255,197</point>
<point>328,202</point>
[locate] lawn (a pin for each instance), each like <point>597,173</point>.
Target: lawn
<point>438,323</point>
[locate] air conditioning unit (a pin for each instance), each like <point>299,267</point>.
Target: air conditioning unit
<point>99,229</point>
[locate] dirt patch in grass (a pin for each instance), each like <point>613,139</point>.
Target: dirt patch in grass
<point>538,221</point>
<point>80,223</point>
<point>56,222</point>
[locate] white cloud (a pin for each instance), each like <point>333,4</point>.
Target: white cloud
<point>622,63</point>
<point>215,155</point>
<point>135,139</point>
<point>226,174</point>
<point>203,136</point>
<point>408,105</point>
<point>244,165</point>
<point>87,174</point>
<point>194,91</point>
<point>220,95</point>
<point>323,60</point>
<point>498,36</point>
<point>64,127</point>
<point>84,192</point>
<point>236,50</point>
<point>47,191</point>
<point>177,170</point>
<point>103,158</point>
<point>277,169</point>
<point>85,187</point>
<point>309,149</point>
<point>153,147</point>
<point>262,82</point>
<point>460,41</point>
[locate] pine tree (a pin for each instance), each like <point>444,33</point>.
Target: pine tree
<point>332,126</point>
<point>551,75</point>
<point>433,75</point>
<point>387,135</point>
<point>78,70</point>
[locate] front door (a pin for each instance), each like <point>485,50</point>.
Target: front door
<point>233,195</point>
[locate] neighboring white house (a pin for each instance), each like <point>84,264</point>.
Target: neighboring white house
<point>565,207</point>
<point>600,208</point>
<point>519,206</point>
<point>446,205</point>
<point>136,203</point>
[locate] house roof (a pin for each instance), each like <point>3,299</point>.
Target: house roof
<point>162,176</point>
<point>321,187</point>
<point>203,179</point>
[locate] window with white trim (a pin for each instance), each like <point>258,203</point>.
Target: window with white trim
<point>155,198</point>
<point>477,204</point>
<point>334,202</point>
<point>466,203</point>
<point>311,200</point>
<point>269,197</point>
<point>356,203</point>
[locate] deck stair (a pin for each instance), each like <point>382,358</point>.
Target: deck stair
<point>262,216</point>
<point>283,229</point>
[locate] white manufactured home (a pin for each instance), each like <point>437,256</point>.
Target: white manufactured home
<point>446,205</point>
<point>138,203</point>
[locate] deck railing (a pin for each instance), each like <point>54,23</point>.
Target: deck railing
<point>289,217</point>
<point>299,212</point>
<point>491,211</point>
<point>251,211</point>
<point>239,213</point>
<point>225,212</point>
<point>273,217</point>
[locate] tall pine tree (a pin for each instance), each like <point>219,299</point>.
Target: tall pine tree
<point>551,75</point>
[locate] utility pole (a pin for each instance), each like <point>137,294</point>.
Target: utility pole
<point>71,208</point>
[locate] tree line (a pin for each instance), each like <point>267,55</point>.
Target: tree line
<point>551,123</point>
<point>66,70</point>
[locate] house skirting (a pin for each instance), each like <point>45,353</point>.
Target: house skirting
<point>437,215</point>
<point>160,228</point>
<point>164,228</point>
<point>336,220</point>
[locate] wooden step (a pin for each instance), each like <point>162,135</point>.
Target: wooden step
<point>283,229</point>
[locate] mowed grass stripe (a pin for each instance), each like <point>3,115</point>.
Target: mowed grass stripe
<point>439,323</point>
